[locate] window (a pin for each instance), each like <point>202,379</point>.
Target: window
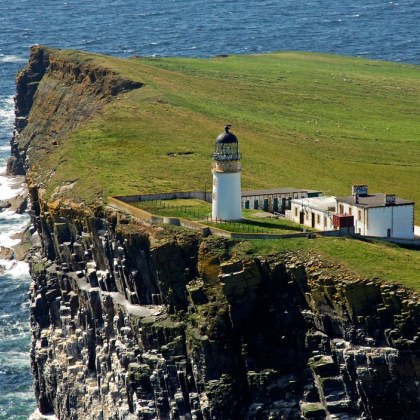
<point>341,209</point>
<point>296,211</point>
<point>325,221</point>
<point>350,210</point>
<point>318,219</point>
<point>359,215</point>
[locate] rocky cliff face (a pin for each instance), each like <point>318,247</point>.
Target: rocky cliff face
<point>137,321</point>
<point>72,91</point>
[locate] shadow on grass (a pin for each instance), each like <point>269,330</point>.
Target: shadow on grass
<point>269,225</point>
<point>386,243</point>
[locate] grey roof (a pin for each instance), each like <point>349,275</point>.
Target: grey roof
<point>277,191</point>
<point>323,203</point>
<point>226,136</point>
<point>372,200</point>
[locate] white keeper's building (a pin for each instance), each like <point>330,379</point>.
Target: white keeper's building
<point>382,215</point>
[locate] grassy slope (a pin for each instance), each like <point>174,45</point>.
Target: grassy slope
<point>305,120</point>
<point>385,261</point>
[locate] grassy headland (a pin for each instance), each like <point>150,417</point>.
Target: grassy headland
<point>305,120</point>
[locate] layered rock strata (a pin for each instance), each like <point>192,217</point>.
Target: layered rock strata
<point>135,321</point>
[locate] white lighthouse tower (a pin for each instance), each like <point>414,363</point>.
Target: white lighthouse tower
<point>226,201</point>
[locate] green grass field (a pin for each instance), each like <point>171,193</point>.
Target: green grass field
<point>305,120</point>
<point>253,221</point>
<point>187,208</point>
<point>366,259</point>
<point>256,221</point>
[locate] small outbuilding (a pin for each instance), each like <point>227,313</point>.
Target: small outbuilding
<point>314,212</point>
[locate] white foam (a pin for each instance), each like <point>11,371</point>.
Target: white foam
<point>15,269</point>
<point>7,117</point>
<point>19,270</point>
<point>7,103</point>
<point>9,230</point>
<point>6,241</point>
<point>14,359</point>
<point>11,59</point>
<point>7,264</point>
<point>36,415</point>
<point>8,100</point>
<point>12,216</point>
<point>8,187</point>
<point>7,112</point>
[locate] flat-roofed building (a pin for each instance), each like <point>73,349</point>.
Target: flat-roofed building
<point>314,212</point>
<point>381,215</point>
<point>275,200</point>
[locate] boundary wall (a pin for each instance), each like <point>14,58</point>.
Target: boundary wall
<point>123,203</point>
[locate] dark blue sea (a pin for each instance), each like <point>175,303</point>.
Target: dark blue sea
<point>378,29</point>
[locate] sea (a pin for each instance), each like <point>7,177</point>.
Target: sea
<point>374,29</point>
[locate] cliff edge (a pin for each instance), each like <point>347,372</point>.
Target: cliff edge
<point>69,88</point>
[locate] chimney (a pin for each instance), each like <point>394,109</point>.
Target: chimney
<point>389,199</point>
<point>359,189</point>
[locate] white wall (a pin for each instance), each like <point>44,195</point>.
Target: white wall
<point>376,221</point>
<point>323,220</point>
<point>400,219</point>
<point>226,202</point>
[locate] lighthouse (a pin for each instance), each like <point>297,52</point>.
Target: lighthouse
<point>226,199</point>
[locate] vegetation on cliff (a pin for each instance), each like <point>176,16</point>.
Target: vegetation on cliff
<point>367,259</point>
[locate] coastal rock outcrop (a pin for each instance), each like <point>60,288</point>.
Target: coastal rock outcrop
<point>131,320</point>
<point>135,321</point>
<point>73,90</point>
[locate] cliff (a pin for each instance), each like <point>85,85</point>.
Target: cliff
<point>70,89</point>
<point>134,321</point>
<point>131,320</point>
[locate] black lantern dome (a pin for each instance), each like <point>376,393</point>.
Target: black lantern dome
<point>226,146</point>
